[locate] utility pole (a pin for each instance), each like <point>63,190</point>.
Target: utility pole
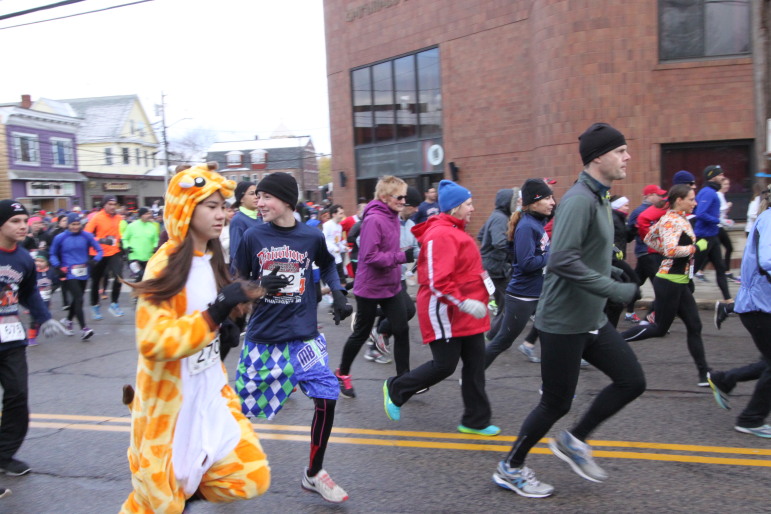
<point>761,60</point>
<point>165,143</point>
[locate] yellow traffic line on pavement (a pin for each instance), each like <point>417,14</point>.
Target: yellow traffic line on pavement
<point>446,441</point>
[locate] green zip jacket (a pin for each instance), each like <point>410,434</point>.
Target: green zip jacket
<point>142,238</point>
<point>577,283</point>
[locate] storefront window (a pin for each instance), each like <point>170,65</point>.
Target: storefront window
<point>406,98</point>
<point>383,94</point>
<point>362,106</point>
<point>430,93</point>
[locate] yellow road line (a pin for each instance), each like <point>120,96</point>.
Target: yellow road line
<point>260,426</point>
<point>267,432</point>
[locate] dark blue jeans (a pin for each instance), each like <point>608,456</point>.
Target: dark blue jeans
<point>15,420</point>
<point>561,356</point>
<point>758,324</point>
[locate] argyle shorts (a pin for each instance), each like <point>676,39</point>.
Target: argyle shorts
<point>267,374</point>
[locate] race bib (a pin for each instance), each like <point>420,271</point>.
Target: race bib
<point>45,294</point>
<point>79,270</point>
<point>206,358</point>
<point>11,329</point>
<point>292,272</point>
<point>488,283</point>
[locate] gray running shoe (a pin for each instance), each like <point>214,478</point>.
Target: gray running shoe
<point>529,353</point>
<point>763,431</point>
<point>522,481</point>
<point>578,454</point>
<point>323,484</point>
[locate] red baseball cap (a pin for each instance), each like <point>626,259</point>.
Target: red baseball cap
<point>653,189</point>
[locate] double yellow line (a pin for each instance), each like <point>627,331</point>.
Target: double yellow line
<point>448,441</point>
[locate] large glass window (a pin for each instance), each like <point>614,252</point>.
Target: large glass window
<point>406,99</point>
<point>692,29</point>
<point>397,116</point>
<point>362,106</point>
<point>383,94</point>
<point>732,156</point>
<point>430,93</point>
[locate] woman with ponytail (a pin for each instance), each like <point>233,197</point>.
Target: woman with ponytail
<point>529,253</point>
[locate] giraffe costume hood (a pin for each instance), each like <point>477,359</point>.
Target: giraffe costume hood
<point>166,335</point>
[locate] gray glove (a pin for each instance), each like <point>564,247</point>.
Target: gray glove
<point>52,328</point>
<point>473,307</point>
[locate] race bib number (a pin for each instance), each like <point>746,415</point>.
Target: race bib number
<point>45,294</point>
<point>206,358</point>
<point>11,329</point>
<point>488,283</point>
<point>290,271</point>
<point>79,270</point>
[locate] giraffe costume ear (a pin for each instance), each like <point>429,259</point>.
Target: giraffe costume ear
<point>187,189</point>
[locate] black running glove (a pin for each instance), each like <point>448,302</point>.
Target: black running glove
<point>340,307</point>
<point>230,296</point>
<point>273,282</point>
<point>409,253</point>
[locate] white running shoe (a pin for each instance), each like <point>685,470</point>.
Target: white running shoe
<point>323,484</point>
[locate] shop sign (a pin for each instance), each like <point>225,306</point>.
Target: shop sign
<point>50,189</point>
<point>116,186</point>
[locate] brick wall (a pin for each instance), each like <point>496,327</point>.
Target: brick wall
<point>521,80</point>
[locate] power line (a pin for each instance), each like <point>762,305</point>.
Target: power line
<point>77,14</point>
<point>41,8</point>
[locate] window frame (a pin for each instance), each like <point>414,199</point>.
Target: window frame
<point>703,31</point>
<point>69,146</point>
<point>34,148</point>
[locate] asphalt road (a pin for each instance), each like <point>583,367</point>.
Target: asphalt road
<point>672,450</point>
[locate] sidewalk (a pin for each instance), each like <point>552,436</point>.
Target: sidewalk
<point>706,293</point>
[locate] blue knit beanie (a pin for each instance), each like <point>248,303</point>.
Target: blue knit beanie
<point>451,195</point>
<point>683,177</point>
<point>73,217</point>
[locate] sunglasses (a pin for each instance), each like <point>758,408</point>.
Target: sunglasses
<point>401,198</point>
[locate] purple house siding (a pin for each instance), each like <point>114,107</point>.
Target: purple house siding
<point>45,148</point>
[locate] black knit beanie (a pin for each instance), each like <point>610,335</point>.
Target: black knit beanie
<point>597,140</point>
<point>241,188</point>
<point>9,209</point>
<point>534,189</point>
<point>281,185</point>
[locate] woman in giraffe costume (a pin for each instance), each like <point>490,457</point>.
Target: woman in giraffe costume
<point>189,439</point>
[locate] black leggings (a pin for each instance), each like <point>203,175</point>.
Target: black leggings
<point>758,324</point>
<point>76,289</point>
<point>672,300</point>
<point>104,267</point>
<point>516,315</point>
<point>725,240</point>
<point>321,428</point>
<point>561,356</point>
<point>366,311</point>
<point>713,254</point>
<point>446,355</point>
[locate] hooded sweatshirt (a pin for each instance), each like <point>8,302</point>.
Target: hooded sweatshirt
<point>495,246</point>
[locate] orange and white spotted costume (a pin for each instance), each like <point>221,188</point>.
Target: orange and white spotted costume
<point>187,430</point>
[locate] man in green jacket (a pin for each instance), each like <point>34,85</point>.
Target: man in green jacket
<point>140,241</point>
<point>571,320</point>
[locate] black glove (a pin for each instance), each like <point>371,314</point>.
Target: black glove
<point>273,282</point>
<point>230,337</point>
<point>409,253</point>
<point>107,240</point>
<point>340,307</point>
<point>230,296</point>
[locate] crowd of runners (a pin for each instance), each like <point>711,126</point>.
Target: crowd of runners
<point>247,258</point>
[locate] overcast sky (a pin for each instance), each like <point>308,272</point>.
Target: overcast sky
<point>240,67</point>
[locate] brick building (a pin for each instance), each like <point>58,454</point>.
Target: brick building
<point>497,91</point>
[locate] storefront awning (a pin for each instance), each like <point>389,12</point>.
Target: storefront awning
<point>57,176</point>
